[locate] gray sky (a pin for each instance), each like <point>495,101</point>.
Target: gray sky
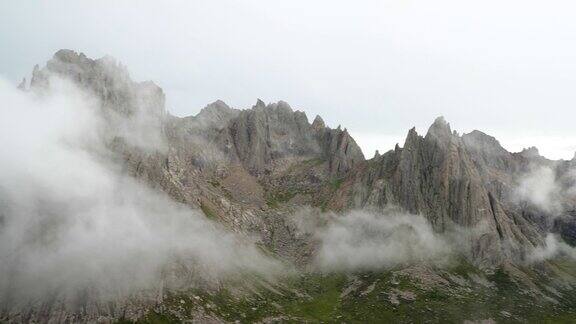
<point>506,67</point>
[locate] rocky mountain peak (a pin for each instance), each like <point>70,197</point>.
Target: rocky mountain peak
<point>108,80</point>
<point>216,115</point>
<point>530,152</point>
<point>481,137</point>
<point>411,139</point>
<point>440,129</point>
<point>67,55</point>
<point>318,123</point>
<point>259,103</point>
<point>216,107</point>
<point>479,141</point>
<point>283,105</point>
<point>340,149</point>
<point>451,180</point>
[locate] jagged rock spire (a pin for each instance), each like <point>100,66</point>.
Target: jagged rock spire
<point>411,138</point>
<point>260,103</point>
<point>283,105</point>
<point>106,79</point>
<point>530,152</point>
<point>218,102</point>
<point>214,108</point>
<point>318,123</point>
<point>439,129</point>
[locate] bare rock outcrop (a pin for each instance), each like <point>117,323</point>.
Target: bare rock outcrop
<point>265,134</point>
<point>106,78</point>
<point>456,182</point>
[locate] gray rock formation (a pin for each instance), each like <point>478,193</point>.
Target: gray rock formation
<point>456,182</point>
<point>266,134</point>
<point>105,78</point>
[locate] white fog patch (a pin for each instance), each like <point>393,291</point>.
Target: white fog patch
<point>143,128</point>
<point>362,240</point>
<point>540,188</point>
<point>71,223</point>
<point>553,247</point>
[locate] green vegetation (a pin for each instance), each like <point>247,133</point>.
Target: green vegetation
<point>376,297</point>
<point>323,302</point>
<point>156,318</point>
<point>208,212</point>
<point>502,280</point>
<point>274,200</point>
<point>332,186</point>
<point>335,184</point>
<point>306,164</point>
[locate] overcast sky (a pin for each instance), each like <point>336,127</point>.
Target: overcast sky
<point>378,68</point>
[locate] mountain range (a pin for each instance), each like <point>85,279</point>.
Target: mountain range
<point>270,174</point>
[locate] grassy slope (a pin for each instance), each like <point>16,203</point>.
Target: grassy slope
<point>319,298</point>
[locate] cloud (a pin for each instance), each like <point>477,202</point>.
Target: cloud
<point>553,246</point>
<point>363,240</point>
<point>71,223</point>
<point>548,188</point>
<point>540,188</point>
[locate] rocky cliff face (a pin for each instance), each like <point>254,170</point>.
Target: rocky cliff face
<point>234,163</point>
<point>458,182</point>
<point>105,78</point>
<point>265,134</point>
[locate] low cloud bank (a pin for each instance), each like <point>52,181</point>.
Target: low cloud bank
<point>552,192</point>
<point>71,224</point>
<point>553,247</point>
<point>363,240</point>
<point>375,240</point>
<point>547,189</point>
